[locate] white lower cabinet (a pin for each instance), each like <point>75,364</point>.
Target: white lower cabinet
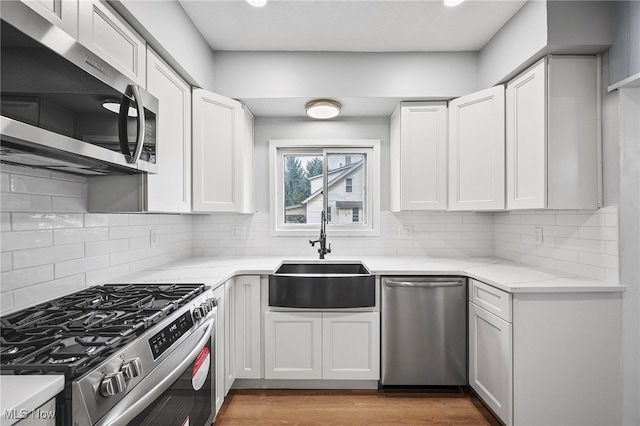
<point>218,294</point>
<point>548,359</point>
<point>248,345</point>
<point>490,360</point>
<point>351,346</point>
<point>229,335</point>
<point>293,345</point>
<point>317,345</point>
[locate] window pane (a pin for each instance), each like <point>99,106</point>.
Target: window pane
<point>347,177</point>
<point>302,188</point>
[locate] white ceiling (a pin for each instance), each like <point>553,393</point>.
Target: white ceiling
<point>349,25</point>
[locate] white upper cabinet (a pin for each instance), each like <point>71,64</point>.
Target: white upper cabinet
<point>476,151</point>
<point>552,128</point>
<point>170,189</point>
<point>419,156</point>
<point>112,39</point>
<point>222,154</point>
<point>61,13</point>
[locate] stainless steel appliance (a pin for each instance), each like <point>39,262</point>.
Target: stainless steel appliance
<point>424,331</point>
<point>55,95</point>
<point>138,354</point>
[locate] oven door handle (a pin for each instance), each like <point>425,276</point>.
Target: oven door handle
<point>163,376</point>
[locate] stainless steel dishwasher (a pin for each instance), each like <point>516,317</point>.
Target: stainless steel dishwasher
<point>424,331</point>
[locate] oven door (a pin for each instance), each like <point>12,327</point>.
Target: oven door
<point>180,391</point>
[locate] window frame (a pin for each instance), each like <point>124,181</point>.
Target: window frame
<point>278,148</point>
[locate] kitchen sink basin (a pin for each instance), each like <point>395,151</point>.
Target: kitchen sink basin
<point>322,285</point>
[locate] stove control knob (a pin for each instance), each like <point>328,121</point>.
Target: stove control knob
<point>212,303</point>
<point>113,384</point>
<point>131,368</point>
<point>199,312</point>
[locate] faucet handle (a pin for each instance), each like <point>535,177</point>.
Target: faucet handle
<point>329,248</point>
<point>313,243</point>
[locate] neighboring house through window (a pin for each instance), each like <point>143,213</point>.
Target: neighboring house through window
<point>340,177</point>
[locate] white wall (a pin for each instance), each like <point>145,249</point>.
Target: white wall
<point>255,75</point>
<point>630,250</point>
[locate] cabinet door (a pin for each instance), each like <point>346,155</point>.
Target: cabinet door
<point>169,191</point>
<point>419,157</point>
<point>229,335</point>
<point>351,346</point>
<point>526,142</point>
<point>218,294</point>
<point>293,345</point>
<point>112,39</point>
<point>217,127</point>
<point>490,361</point>
<point>476,151</point>
<point>248,327</point>
<point>61,13</point>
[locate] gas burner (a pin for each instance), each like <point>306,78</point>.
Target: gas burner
<point>75,332</point>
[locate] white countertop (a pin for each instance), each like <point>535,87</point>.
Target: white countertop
<point>23,394</point>
<point>508,276</point>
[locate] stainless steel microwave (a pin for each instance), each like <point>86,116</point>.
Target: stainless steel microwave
<point>64,108</point>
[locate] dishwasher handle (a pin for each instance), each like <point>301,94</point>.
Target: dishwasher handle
<point>422,284</point>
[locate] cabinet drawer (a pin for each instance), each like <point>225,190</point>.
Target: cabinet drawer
<point>496,301</point>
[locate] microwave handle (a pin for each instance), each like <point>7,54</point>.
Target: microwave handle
<point>132,90</point>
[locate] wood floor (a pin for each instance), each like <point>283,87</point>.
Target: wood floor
<point>353,407</point>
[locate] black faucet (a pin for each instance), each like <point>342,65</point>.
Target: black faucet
<point>323,237</point>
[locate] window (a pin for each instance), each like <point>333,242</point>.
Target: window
<point>338,177</point>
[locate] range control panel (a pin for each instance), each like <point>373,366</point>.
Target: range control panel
<point>163,340</point>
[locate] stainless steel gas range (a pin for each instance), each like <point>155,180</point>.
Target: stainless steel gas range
<point>138,354</point>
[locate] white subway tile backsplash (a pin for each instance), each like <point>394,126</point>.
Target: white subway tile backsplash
<point>46,255</point>
<point>5,261</point>
<point>45,291</point>
<point>73,267</point>
<point>45,186</point>
<point>19,278</point>
<point>127,231</point>
<point>105,247</point>
<point>92,220</point>
<point>597,259</point>
<point>81,235</point>
<point>127,256</point>
<point>31,221</point>
<point>99,276</point>
<point>5,222</point>
<point>12,202</point>
<point>25,240</point>
<point>68,204</point>
<point>581,242</point>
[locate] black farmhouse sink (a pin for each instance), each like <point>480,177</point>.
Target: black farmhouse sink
<point>322,285</point>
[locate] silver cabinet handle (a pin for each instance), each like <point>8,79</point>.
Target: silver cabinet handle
<point>417,284</point>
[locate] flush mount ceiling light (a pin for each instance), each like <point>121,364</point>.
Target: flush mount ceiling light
<point>257,3</point>
<point>114,106</point>
<point>323,109</point>
<point>452,3</point>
